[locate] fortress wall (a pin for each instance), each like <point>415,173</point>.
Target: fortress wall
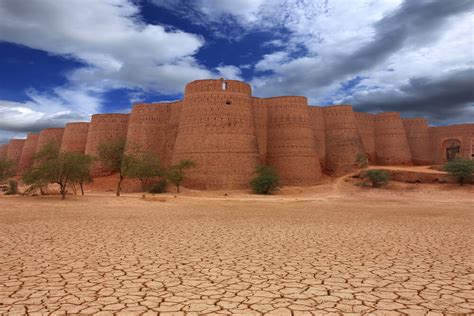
<point>317,124</point>
<point>260,120</point>
<point>15,148</point>
<point>75,137</point>
<point>147,128</point>
<point>171,132</point>
<point>49,135</point>
<point>419,140</point>
<point>391,144</point>
<point>366,128</point>
<point>105,128</point>
<point>441,136</point>
<point>28,154</point>
<point>3,151</point>
<point>216,131</point>
<point>343,143</point>
<point>290,148</point>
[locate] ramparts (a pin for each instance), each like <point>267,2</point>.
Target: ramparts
<point>75,137</point>
<point>28,153</point>
<point>227,132</point>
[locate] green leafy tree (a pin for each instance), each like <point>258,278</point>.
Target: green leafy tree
<point>145,167</point>
<point>266,180</point>
<point>176,173</point>
<point>81,172</point>
<point>461,169</point>
<point>53,166</point>
<point>7,169</point>
<point>113,157</point>
<point>377,177</point>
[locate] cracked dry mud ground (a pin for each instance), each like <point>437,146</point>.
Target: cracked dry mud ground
<point>108,255</point>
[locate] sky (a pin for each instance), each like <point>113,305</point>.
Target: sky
<point>61,61</point>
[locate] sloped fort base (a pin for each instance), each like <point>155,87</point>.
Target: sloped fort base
<point>228,132</point>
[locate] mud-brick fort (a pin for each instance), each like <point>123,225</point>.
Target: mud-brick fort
<point>228,132</point>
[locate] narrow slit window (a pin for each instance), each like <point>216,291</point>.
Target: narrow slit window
<point>224,85</point>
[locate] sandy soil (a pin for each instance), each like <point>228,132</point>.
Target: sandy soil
<point>334,248</point>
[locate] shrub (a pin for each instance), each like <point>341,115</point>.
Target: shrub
<point>266,180</point>
<point>12,187</point>
<point>362,161</point>
<point>176,174</point>
<point>461,169</point>
<point>7,169</point>
<point>377,177</point>
<point>159,187</point>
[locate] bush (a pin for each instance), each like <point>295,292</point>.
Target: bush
<point>266,181</point>
<point>159,187</point>
<point>461,169</point>
<point>377,177</point>
<point>362,161</point>
<point>12,187</point>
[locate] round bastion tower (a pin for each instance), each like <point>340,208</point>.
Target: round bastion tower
<point>216,130</point>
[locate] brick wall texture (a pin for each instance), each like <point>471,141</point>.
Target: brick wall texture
<point>228,132</point>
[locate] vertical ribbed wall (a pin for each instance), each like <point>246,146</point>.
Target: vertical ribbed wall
<point>366,129</point>
<point>15,147</point>
<point>49,135</point>
<point>75,137</point>
<point>105,128</point>
<point>318,126</point>
<point>290,148</point>
<point>147,127</point>
<point>216,131</point>
<point>3,151</point>
<point>343,143</point>
<point>171,132</point>
<point>260,119</point>
<point>419,141</point>
<point>29,151</point>
<point>391,144</point>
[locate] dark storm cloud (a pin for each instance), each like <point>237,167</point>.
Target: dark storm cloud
<point>442,99</point>
<point>413,24</point>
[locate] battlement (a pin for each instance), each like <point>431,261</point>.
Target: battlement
<point>218,86</point>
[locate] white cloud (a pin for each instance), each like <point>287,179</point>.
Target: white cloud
<point>230,72</point>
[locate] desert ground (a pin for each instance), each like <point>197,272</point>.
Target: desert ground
<point>334,248</point>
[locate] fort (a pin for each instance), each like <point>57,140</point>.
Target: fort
<point>228,132</point>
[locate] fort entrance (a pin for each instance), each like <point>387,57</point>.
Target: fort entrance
<point>451,149</point>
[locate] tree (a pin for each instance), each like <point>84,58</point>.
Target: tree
<point>145,167</point>
<point>53,166</point>
<point>7,169</point>
<point>461,169</point>
<point>377,177</point>
<point>266,180</point>
<point>113,157</point>
<point>362,161</point>
<point>176,173</point>
<point>81,173</point>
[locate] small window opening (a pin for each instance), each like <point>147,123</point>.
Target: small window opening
<point>224,85</point>
<point>228,102</point>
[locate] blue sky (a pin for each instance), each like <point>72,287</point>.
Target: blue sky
<point>62,61</point>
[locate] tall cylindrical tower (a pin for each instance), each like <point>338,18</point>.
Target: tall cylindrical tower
<point>105,128</point>
<point>29,151</point>
<point>419,140</point>
<point>291,149</point>
<point>391,144</point>
<point>317,124</point>
<point>3,151</point>
<point>260,119</point>
<point>15,148</point>
<point>216,131</point>
<point>343,143</point>
<point>49,135</point>
<point>75,137</point>
<point>366,129</point>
